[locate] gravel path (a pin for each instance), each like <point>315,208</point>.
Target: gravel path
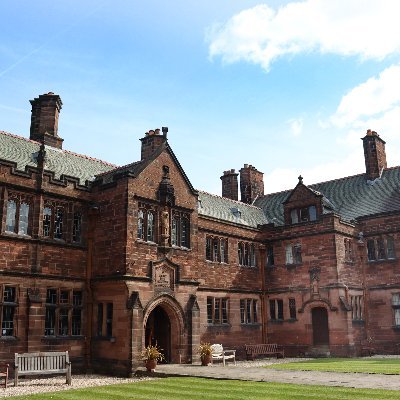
<point>57,384</point>
<point>244,370</point>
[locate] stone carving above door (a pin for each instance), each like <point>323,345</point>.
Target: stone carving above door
<point>163,278</point>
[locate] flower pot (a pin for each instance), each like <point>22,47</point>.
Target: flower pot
<point>205,360</point>
<point>151,365</point>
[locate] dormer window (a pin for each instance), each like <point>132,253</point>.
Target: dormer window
<point>303,214</point>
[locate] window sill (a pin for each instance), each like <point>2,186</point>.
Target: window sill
<point>390,260</point>
<point>183,248</point>
<point>276,321</point>
<point>21,235</point>
<point>61,338</point>
<point>293,266</point>
<point>8,339</point>
<point>216,262</point>
<point>248,266</point>
<point>149,243</point>
<point>227,325</point>
<point>358,322</point>
<point>291,320</point>
<point>250,325</point>
<point>396,327</point>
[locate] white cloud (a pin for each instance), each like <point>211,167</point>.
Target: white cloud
<point>296,125</point>
<point>365,28</point>
<point>371,98</point>
<point>285,178</point>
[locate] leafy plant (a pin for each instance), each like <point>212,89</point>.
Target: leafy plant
<point>204,349</point>
<point>152,353</point>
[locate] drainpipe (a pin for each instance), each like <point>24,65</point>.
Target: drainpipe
<point>263,307</point>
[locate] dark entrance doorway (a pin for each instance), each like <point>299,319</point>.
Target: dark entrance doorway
<point>158,331</point>
<point>320,326</point>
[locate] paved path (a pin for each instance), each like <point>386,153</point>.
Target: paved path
<point>246,373</point>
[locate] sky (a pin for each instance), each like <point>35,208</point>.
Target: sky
<point>289,87</point>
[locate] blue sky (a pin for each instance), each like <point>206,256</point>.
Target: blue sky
<point>289,87</point>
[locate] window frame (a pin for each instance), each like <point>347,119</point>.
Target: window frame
<point>63,314</point>
<point>8,307</point>
<point>21,223</point>
<point>217,311</point>
<point>293,254</point>
<point>248,311</point>
<point>247,256</point>
<point>299,215</point>
<point>276,312</point>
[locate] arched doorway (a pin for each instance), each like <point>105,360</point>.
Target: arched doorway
<point>320,326</point>
<point>158,331</point>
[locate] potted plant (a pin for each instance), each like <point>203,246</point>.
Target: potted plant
<point>205,351</point>
<point>150,356</point>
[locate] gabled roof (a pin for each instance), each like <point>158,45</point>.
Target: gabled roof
<point>351,197</point>
<point>22,152</point>
<point>134,169</point>
<point>228,210</point>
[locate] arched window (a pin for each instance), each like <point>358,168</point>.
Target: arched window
<point>174,231</point>
<point>23,222</point>
<point>240,253</point>
<point>185,232</point>
<point>11,215</point>
<point>47,213</point>
<point>252,256</point>
<point>140,230</point>
<point>150,226</point>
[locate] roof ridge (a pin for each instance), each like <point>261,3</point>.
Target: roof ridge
<point>119,168</point>
<point>90,158</point>
<point>18,137</point>
<point>63,150</point>
<point>227,198</point>
<point>320,183</point>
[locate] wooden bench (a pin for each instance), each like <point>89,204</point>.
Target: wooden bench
<point>219,354</point>
<point>45,363</point>
<point>267,349</point>
<point>4,373</point>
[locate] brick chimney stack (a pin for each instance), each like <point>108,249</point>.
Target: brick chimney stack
<point>374,154</point>
<point>230,184</point>
<point>152,141</point>
<point>44,119</point>
<point>251,184</point>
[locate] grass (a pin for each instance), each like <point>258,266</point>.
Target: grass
<point>390,366</point>
<point>206,389</point>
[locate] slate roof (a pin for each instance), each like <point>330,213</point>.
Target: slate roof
<point>62,162</point>
<point>351,197</point>
<point>225,209</point>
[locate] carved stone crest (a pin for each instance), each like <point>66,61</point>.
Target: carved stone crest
<point>163,278</point>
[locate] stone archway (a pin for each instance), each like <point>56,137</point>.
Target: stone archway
<point>164,324</point>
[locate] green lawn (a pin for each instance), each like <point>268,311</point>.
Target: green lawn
<point>198,388</point>
<point>368,365</point>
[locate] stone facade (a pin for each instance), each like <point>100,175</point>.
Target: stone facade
<point>103,260</point>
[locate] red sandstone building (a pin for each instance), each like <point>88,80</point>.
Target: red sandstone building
<point>102,260</point>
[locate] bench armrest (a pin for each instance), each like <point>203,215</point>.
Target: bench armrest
<point>229,351</point>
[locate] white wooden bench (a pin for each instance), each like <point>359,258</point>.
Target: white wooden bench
<point>44,363</point>
<point>219,354</point>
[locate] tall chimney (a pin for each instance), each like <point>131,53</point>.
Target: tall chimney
<point>374,154</point>
<point>230,184</point>
<point>44,119</point>
<point>152,141</point>
<point>251,184</point>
